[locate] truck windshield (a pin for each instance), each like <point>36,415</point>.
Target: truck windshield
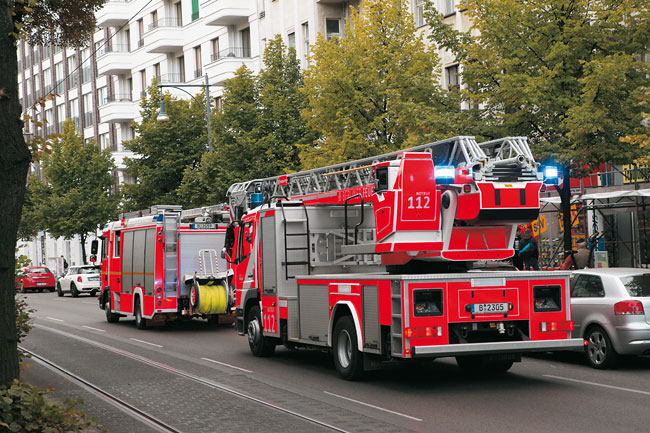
<point>637,285</point>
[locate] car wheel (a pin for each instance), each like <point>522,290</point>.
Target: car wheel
<point>74,291</point>
<point>51,289</point>
<point>347,358</point>
<point>110,317</point>
<point>140,322</point>
<point>257,342</point>
<point>599,349</point>
<point>58,290</point>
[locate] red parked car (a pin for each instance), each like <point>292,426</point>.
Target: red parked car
<point>36,278</point>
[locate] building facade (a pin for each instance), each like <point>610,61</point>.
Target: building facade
<point>178,42</point>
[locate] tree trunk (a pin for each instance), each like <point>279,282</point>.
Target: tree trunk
<point>83,237</point>
<point>565,197</point>
<point>14,162</point>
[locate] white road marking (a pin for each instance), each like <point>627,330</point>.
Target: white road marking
<point>56,320</point>
<point>598,384</point>
<point>145,342</point>
<point>227,365</point>
<point>373,406</point>
<point>94,329</point>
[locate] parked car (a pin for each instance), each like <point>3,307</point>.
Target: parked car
<point>79,279</point>
<point>611,311</point>
<point>35,278</point>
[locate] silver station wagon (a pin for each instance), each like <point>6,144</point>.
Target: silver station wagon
<point>611,310</point>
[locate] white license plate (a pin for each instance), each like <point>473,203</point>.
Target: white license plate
<point>490,308</point>
<point>40,284</point>
<point>93,278</point>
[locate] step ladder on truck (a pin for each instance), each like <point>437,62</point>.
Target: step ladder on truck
<point>372,259</point>
<point>163,264</point>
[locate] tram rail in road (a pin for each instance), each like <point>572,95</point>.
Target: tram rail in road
<point>168,369</point>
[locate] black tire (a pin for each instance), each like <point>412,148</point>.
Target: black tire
<point>259,344</point>
<point>140,322</point>
<point>347,358</point>
<point>476,365</point>
<point>599,349</point>
<point>74,291</point>
<point>40,290</point>
<point>58,290</point>
<point>51,289</point>
<point>110,317</point>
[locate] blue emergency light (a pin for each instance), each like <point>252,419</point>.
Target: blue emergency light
<point>550,175</point>
<point>445,174</point>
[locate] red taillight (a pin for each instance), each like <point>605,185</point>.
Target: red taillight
<point>561,326</point>
<point>79,279</point>
<point>467,188</point>
<point>408,333</point>
<point>625,308</point>
<point>159,303</point>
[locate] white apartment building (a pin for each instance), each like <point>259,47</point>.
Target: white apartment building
<point>178,42</point>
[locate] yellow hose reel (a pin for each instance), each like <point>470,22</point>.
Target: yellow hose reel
<point>210,298</point>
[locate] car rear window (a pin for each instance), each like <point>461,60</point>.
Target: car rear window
<point>637,285</point>
<point>38,270</point>
<point>94,270</point>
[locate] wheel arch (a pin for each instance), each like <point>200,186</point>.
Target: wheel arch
<point>345,308</point>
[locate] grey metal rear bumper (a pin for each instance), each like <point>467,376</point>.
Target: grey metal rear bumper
<point>503,347</point>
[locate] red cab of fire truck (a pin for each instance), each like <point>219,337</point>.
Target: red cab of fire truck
<point>373,259</point>
<point>163,264</point>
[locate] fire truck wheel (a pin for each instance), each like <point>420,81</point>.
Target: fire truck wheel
<point>40,290</point>
<point>58,290</point>
<point>258,343</point>
<point>347,358</point>
<point>110,317</point>
<point>599,349</point>
<point>74,291</point>
<point>140,322</point>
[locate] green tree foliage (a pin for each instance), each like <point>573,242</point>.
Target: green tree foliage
<point>563,72</point>
<point>31,220</point>
<point>163,149</point>
<point>376,89</point>
<point>77,198</point>
<point>257,131</point>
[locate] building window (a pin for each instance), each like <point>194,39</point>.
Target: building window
<point>74,112</point>
<point>419,13</point>
<point>292,40</point>
<point>246,42</point>
<point>305,38</point>
<point>197,62</point>
<point>156,72</point>
<point>85,65</point>
<point>217,103</point>
<point>195,10</point>
<point>181,69</point>
<point>179,14</point>
<point>101,95</point>
<point>333,28</point>
<point>72,71</point>
<point>453,80</point>
<point>47,77</point>
<point>60,114</point>
<point>214,44</point>
<point>140,33</point>
<point>449,7</point>
<point>143,80</point>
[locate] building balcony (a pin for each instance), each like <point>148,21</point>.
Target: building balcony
<point>119,108</point>
<point>224,64</point>
<point>114,60</point>
<point>114,13</point>
<point>226,12</point>
<point>164,36</point>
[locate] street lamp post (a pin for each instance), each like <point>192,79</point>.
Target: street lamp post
<point>163,117</point>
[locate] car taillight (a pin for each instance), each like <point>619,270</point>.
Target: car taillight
<point>559,326</point>
<point>625,308</point>
<point>79,279</point>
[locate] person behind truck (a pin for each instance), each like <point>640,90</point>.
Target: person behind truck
<point>517,262</point>
<point>578,259</point>
<point>528,251</point>
<point>65,263</point>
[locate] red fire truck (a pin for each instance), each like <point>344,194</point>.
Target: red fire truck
<point>373,259</point>
<point>162,264</point>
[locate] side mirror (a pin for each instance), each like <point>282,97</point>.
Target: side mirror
<point>94,245</point>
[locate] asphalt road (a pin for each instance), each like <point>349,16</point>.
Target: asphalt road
<point>545,392</point>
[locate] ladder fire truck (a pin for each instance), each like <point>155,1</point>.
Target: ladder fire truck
<point>158,267</point>
<point>372,259</point>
